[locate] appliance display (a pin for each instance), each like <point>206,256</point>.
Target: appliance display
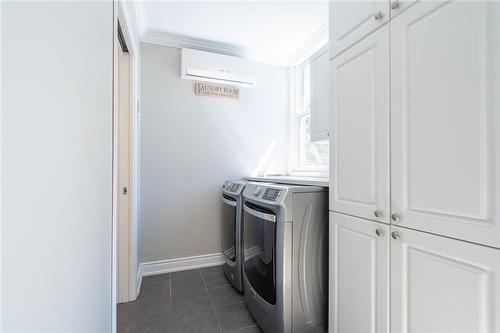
<point>271,194</point>
<point>285,256</point>
<point>231,236</point>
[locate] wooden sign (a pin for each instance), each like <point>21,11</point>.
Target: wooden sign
<point>217,90</point>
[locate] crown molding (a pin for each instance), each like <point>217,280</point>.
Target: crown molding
<point>174,40</point>
<point>310,46</point>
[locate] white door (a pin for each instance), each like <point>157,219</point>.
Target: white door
<point>359,275</point>
<point>125,281</point>
<point>351,21</point>
<point>445,118</point>
<point>443,285</point>
<point>359,139</point>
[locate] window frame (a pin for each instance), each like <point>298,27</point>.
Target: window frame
<point>297,111</point>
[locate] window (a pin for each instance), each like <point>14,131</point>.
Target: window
<point>307,157</point>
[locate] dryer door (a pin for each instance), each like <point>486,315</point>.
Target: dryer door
<point>259,255</point>
<point>229,226</point>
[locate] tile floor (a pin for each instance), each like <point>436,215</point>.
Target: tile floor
<point>198,301</point>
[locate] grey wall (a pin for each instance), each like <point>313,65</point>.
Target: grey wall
<point>191,144</point>
<point>56,140</point>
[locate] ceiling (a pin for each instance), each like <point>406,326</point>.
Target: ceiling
<point>267,31</point>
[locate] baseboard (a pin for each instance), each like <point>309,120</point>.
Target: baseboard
<point>139,282</point>
<point>179,264</point>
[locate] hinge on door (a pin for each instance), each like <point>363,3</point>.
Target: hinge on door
<point>125,190</point>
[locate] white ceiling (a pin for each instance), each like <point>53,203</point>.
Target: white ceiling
<point>266,31</point>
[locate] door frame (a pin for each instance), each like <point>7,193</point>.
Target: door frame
<point>120,18</point>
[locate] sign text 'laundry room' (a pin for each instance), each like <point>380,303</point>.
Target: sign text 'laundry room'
<point>216,90</point>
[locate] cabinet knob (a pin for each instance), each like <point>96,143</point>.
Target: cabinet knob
<point>395,217</point>
<point>395,4</point>
<point>379,232</point>
<point>377,213</point>
<point>378,16</point>
<point>395,235</point>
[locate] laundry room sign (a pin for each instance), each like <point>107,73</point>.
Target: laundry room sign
<point>216,90</point>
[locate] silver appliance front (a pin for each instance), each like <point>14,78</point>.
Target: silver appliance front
<point>262,276</point>
<point>259,261</point>
<point>285,263</point>
<point>231,232</point>
<point>229,214</point>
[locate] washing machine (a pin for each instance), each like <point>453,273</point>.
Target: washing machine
<point>285,256</point>
<point>231,233</point>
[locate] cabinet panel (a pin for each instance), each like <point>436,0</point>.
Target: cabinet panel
<point>351,21</point>
<point>359,275</point>
<point>320,105</point>
<point>443,285</point>
<point>445,118</point>
<point>359,124</point>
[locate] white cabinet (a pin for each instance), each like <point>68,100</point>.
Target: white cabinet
<point>443,285</point>
<point>359,157</point>
<point>320,106</point>
<point>359,275</point>
<point>351,21</point>
<point>436,284</point>
<point>436,67</point>
<point>445,118</point>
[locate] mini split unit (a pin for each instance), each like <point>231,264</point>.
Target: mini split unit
<point>217,68</point>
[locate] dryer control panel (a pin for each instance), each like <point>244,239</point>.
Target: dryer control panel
<point>233,187</point>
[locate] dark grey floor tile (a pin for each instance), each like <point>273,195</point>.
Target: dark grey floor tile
<point>191,302</point>
<point>212,269</point>
<point>122,311</point>
<point>187,285</point>
<point>181,303</point>
<point>125,327</point>
<point>154,290</point>
<point>155,278</point>
<point>217,279</point>
<point>251,329</point>
<point>149,310</point>
<point>185,274</point>
<point>225,295</point>
<point>234,316</point>
<point>203,321</point>
<point>156,326</point>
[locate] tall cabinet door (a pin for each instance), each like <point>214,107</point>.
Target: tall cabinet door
<point>359,275</point>
<point>445,118</point>
<point>359,159</point>
<point>440,284</point>
<point>351,21</point>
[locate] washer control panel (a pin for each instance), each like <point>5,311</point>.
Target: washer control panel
<point>271,194</point>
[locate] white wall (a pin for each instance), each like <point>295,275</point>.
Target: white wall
<point>57,60</point>
<point>191,144</point>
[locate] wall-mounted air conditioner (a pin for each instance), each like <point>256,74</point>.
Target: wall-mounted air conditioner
<point>218,68</point>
